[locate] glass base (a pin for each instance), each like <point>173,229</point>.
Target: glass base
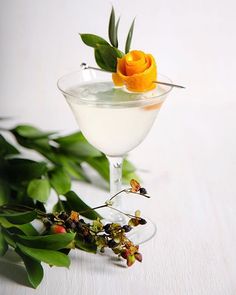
<point>143,233</point>
<point>138,235</point>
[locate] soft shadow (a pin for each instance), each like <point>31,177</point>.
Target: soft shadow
<point>13,272</point>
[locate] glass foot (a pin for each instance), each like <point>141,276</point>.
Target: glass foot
<point>138,235</point>
<point>143,233</point>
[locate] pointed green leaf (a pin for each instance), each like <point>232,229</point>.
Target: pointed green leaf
<point>26,229</point>
<point>76,204</point>
<point>20,218</point>
<point>6,148</point>
<point>116,31</point>
<point>50,257</point>
<point>129,37</point>
<point>77,145</point>
<point>3,244</point>
<point>112,29</point>
<point>106,57</point>
<point>51,242</point>
<point>39,189</point>
<point>4,192</point>
<point>60,180</point>
<point>101,165</point>
<point>24,169</point>
<point>32,132</point>
<point>93,40</point>
<point>33,268</point>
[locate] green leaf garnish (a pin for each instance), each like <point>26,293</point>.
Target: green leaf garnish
<point>106,57</point>
<point>129,37</point>
<point>112,29</point>
<point>93,40</point>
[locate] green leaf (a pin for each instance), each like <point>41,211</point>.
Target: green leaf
<point>6,148</point>
<point>4,192</point>
<point>39,189</point>
<point>26,229</point>
<point>116,31</point>
<point>93,40</point>
<point>28,131</point>
<point>77,145</point>
<point>60,180</point>
<point>33,268</point>
<point>24,169</point>
<point>73,168</point>
<point>128,167</point>
<point>85,246</point>
<point>106,57</point>
<point>3,244</point>
<point>76,204</point>
<point>101,165</point>
<point>20,218</point>
<point>129,37</point>
<point>50,257</point>
<point>112,29</point>
<point>51,242</point>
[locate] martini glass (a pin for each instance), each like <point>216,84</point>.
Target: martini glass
<point>114,121</point>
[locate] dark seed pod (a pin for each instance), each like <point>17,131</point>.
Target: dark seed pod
<point>50,216</point>
<point>142,221</point>
<point>107,228</point>
<point>142,191</point>
<point>112,244</point>
<point>127,228</point>
<point>63,216</point>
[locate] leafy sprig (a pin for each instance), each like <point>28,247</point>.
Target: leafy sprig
<point>106,53</point>
<point>62,232</point>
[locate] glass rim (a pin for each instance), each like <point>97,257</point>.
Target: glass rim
<point>145,100</point>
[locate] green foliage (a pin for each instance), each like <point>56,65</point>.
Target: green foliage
<point>39,189</point>
<point>51,242</point>
<point>50,257</point>
<point>3,244</point>
<point>25,186</point>
<point>75,203</point>
<point>33,268</point>
<point>19,218</point>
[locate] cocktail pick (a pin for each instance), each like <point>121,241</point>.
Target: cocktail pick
<point>85,66</point>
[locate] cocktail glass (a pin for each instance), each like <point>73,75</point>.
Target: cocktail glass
<point>114,121</point>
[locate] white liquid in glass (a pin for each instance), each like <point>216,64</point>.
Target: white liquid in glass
<point>111,119</point>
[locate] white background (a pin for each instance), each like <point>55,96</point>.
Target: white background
<point>189,155</point>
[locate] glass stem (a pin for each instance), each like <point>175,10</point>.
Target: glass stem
<point>115,178</point>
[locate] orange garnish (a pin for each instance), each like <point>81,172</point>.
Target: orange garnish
<point>74,216</point>
<point>135,185</point>
<point>137,71</point>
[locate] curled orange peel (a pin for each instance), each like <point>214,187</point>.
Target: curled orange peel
<point>137,71</point>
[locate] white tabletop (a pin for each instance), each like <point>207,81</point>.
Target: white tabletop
<point>187,162</point>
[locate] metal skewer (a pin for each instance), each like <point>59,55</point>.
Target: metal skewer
<point>85,66</point>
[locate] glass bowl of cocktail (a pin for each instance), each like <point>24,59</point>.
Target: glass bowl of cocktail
<point>115,121</point>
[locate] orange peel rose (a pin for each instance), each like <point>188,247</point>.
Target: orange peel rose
<point>137,71</point>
